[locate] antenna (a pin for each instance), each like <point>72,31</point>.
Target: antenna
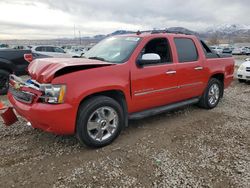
<point>74,31</point>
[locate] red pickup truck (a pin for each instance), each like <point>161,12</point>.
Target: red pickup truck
<point>123,77</point>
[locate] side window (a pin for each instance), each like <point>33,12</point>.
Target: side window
<point>49,49</point>
<point>39,49</point>
<point>159,46</point>
<point>186,50</point>
<point>58,50</point>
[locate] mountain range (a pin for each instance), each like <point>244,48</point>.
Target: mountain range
<point>227,32</point>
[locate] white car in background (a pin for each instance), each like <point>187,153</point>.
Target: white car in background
<point>241,51</point>
<point>50,51</point>
<point>77,52</point>
<point>243,73</point>
<point>246,51</point>
<point>217,49</point>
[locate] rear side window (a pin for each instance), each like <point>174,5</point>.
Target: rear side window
<point>59,50</point>
<point>186,50</point>
<point>49,49</point>
<point>39,49</point>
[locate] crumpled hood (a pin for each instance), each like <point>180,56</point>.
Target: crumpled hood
<point>44,70</point>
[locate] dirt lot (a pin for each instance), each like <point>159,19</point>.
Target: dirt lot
<point>190,147</point>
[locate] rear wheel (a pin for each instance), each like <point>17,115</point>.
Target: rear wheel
<point>99,122</point>
<point>4,82</point>
<point>212,95</point>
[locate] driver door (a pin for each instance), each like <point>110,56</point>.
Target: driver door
<point>154,84</point>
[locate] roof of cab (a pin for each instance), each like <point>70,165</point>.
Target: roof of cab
<point>149,33</point>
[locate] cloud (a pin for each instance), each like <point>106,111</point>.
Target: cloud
<point>104,16</point>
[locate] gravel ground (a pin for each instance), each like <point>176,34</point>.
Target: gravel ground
<point>190,147</point>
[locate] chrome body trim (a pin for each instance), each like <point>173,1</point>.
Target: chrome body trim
<point>154,91</point>
<point>139,93</point>
<point>188,85</point>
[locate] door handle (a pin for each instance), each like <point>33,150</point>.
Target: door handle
<point>171,72</point>
<point>198,68</point>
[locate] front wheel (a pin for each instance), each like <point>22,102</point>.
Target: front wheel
<point>212,94</point>
<point>99,122</point>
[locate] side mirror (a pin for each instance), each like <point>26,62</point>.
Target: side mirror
<point>150,58</point>
<point>247,59</point>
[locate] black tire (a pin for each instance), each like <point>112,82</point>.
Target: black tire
<point>204,101</point>
<point>85,112</point>
<point>4,82</point>
<point>241,80</point>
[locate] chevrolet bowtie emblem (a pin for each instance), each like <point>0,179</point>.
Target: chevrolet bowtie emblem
<point>17,86</point>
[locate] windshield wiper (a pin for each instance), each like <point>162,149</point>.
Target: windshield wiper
<point>97,58</point>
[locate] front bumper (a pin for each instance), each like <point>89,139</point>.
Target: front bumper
<point>244,75</point>
<point>55,118</point>
<point>58,119</point>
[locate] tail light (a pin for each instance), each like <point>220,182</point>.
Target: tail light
<point>28,57</point>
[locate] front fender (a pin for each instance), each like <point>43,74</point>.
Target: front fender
<point>83,83</point>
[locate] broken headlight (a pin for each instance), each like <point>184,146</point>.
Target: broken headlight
<point>53,94</point>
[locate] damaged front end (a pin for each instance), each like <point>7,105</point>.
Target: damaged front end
<point>31,91</point>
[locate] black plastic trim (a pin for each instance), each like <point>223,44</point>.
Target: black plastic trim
<point>159,110</point>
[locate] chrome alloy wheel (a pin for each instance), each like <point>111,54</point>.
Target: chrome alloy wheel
<point>214,94</point>
<point>102,123</point>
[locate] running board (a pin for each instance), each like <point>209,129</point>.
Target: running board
<point>159,110</point>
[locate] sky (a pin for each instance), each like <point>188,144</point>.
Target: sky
<point>50,19</point>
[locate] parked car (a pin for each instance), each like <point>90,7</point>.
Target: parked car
<point>245,51</point>
<point>4,46</point>
<point>240,51</point>
<point>217,49</point>
<point>20,47</point>
<point>237,51</point>
<point>227,50</point>
<point>77,52</point>
<point>50,51</point>
<point>243,73</point>
<point>12,61</point>
<point>123,77</point>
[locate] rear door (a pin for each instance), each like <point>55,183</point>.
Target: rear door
<point>190,68</point>
<point>50,51</point>
<point>155,84</point>
<point>59,52</point>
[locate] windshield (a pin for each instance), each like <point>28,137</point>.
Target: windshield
<point>113,49</point>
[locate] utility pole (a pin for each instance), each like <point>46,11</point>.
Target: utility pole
<point>74,41</point>
<point>74,31</point>
<point>80,37</point>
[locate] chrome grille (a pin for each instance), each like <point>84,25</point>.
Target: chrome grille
<point>21,96</point>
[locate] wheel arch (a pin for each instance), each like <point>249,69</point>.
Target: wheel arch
<point>118,95</point>
<point>221,77</point>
